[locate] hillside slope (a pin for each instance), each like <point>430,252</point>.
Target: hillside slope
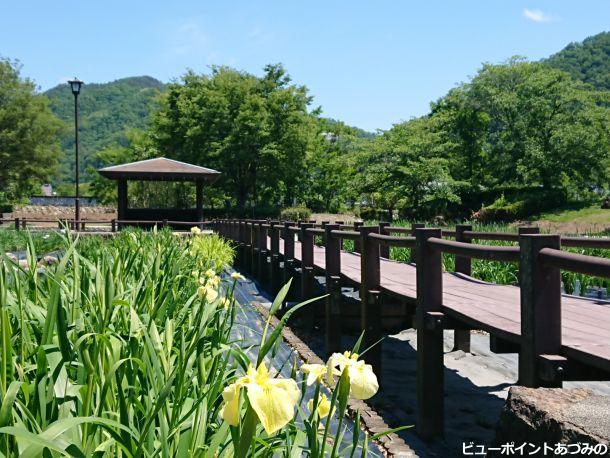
<point>106,112</point>
<point>588,61</point>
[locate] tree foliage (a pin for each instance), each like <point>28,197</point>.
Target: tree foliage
<point>256,130</point>
<point>514,131</point>
<point>29,149</point>
<point>520,135</point>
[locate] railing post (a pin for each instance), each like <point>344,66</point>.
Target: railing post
<point>463,265</point>
<point>288,255</point>
<point>275,257</point>
<point>254,248</point>
<point>340,223</point>
<point>370,296</point>
<point>540,286</point>
<point>17,224</point>
<point>322,226</point>
<point>384,250</point>
<point>306,262</point>
<point>357,226</point>
<point>523,230</point>
<point>263,273</point>
<point>430,364</point>
<point>414,228</point>
<point>333,289</point>
<point>113,225</point>
<point>24,223</point>
<point>249,247</point>
<point>240,244</point>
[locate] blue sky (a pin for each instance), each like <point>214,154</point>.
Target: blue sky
<point>368,63</point>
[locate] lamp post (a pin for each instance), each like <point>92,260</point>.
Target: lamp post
<point>75,85</point>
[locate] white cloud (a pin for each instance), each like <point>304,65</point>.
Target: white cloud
<point>189,43</point>
<point>189,38</point>
<point>536,15</point>
<point>259,36</point>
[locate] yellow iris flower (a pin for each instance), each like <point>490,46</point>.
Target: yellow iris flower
<point>195,230</point>
<point>226,303</point>
<point>323,409</point>
<point>317,372</point>
<point>363,381</point>
<point>214,281</point>
<point>210,273</point>
<point>273,399</point>
<point>207,292</point>
<point>237,276</point>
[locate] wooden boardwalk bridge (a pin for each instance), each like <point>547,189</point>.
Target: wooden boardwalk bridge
<point>558,337</point>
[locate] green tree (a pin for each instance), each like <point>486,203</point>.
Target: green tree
<point>545,128</point>
<point>29,149</point>
<point>139,147</point>
<point>330,166</point>
<point>463,126</point>
<point>256,130</point>
<point>402,171</point>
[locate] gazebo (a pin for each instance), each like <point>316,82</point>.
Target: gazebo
<point>159,169</point>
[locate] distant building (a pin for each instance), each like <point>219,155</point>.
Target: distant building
<point>330,137</point>
<point>47,190</point>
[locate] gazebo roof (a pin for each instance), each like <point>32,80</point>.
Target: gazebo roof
<point>159,168</point>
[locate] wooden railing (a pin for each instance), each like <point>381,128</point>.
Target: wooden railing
<point>539,257</point>
<point>113,225</point>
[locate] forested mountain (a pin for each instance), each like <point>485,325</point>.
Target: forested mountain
<point>107,111</point>
<point>588,61</point>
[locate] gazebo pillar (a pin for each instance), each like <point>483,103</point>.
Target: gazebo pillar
<point>122,199</point>
<point>199,194</point>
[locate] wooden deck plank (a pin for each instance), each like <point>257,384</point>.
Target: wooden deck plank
<point>495,308</point>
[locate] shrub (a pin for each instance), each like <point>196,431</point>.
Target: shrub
<point>295,213</point>
<point>501,210</point>
<point>521,206</point>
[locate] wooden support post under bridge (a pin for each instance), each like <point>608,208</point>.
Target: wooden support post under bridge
<point>370,296</point>
<point>429,316</point>
<point>333,289</point>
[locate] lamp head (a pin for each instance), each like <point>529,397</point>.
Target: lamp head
<point>75,85</point>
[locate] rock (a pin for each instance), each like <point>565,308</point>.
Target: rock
<point>553,415</point>
<point>438,220</point>
<point>47,260</point>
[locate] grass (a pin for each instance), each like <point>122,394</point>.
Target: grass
<point>125,348</point>
<point>588,215</point>
<point>44,241</point>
